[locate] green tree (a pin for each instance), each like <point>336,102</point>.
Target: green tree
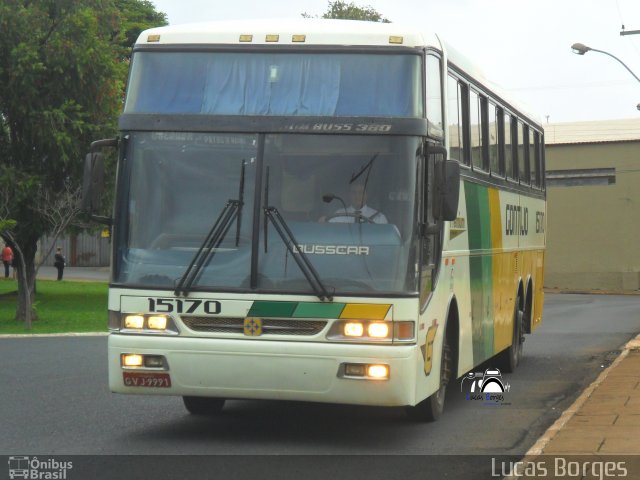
<point>351,11</point>
<point>63,65</point>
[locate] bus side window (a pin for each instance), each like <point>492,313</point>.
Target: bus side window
<point>523,171</point>
<point>434,96</point>
<point>534,158</point>
<point>475,123</point>
<point>508,146</point>
<point>494,160</point>
<point>454,110</point>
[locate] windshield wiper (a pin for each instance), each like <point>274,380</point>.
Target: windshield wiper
<point>310,273</point>
<point>231,211</point>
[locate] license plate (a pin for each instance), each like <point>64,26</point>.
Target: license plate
<point>145,379</point>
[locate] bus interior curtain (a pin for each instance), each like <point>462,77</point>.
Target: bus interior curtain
<point>258,84</point>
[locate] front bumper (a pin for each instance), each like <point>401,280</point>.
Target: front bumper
<point>259,369</point>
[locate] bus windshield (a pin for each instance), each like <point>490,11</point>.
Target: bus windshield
<point>348,200</point>
<point>271,83</point>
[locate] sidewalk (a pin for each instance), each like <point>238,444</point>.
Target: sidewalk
<point>89,274</point>
<point>603,423</point>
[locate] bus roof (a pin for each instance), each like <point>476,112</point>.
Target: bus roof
<point>290,32</point>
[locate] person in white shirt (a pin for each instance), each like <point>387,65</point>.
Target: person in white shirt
<point>358,211</point>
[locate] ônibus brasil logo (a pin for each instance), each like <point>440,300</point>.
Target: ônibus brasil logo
<point>38,469</point>
<point>487,386</point>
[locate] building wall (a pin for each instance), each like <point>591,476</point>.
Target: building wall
<point>593,231</point>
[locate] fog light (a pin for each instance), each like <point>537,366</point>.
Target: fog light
<point>154,361</point>
<point>378,371</point>
<point>134,321</point>
<point>354,370</point>
<point>157,323</point>
<point>353,329</point>
<point>132,360</point>
<point>378,330</point>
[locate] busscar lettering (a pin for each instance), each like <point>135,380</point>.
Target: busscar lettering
<point>340,127</point>
<point>333,249</point>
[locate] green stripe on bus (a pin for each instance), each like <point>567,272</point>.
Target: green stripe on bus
<point>318,310</point>
<point>480,270</point>
<point>272,309</point>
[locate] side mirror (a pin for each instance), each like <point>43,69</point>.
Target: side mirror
<point>93,182</point>
<point>448,187</point>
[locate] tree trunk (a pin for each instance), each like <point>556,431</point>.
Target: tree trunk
<point>26,284</point>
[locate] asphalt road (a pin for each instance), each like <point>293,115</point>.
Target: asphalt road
<point>54,400</point>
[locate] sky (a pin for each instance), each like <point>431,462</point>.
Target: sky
<point>522,45</point>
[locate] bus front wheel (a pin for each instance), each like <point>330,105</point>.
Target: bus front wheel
<point>431,408</point>
<point>203,405</point>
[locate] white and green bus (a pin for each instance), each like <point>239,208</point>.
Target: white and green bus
<point>315,210</point>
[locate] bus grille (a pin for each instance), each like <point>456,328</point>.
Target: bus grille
<point>270,326</point>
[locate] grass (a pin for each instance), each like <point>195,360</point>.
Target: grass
<point>61,307</point>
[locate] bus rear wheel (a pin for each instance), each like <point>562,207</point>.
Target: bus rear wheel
<point>431,408</point>
<point>509,359</point>
<point>203,405</point>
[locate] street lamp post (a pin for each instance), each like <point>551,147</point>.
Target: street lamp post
<point>581,49</point>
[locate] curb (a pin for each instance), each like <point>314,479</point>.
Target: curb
<point>590,292</point>
<point>537,449</point>
<point>47,335</point>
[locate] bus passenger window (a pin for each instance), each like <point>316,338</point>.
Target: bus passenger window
<point>523,172</point>
<point>475,122</point>
<point>534,156</point>
<point>508,146</point>
<point>454,108</point>
<point>494,162</point>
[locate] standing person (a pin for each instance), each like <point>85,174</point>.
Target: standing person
<point>7,259</point>
<point>60,262</point>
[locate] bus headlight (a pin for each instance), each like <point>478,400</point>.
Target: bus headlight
<point>157,322</point>
<point>134,321</point>
<point>143,323</point>
<point>353,329</point>
<point>378,330</point>
<point>372,331</point>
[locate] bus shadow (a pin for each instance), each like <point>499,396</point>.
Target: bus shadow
<point>296,425</point>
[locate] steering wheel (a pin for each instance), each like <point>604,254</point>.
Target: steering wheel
<point>350,214</point>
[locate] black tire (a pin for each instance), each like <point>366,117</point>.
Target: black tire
<point>203,405</point>
<point>510,358</point>
<point>432,408</point>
